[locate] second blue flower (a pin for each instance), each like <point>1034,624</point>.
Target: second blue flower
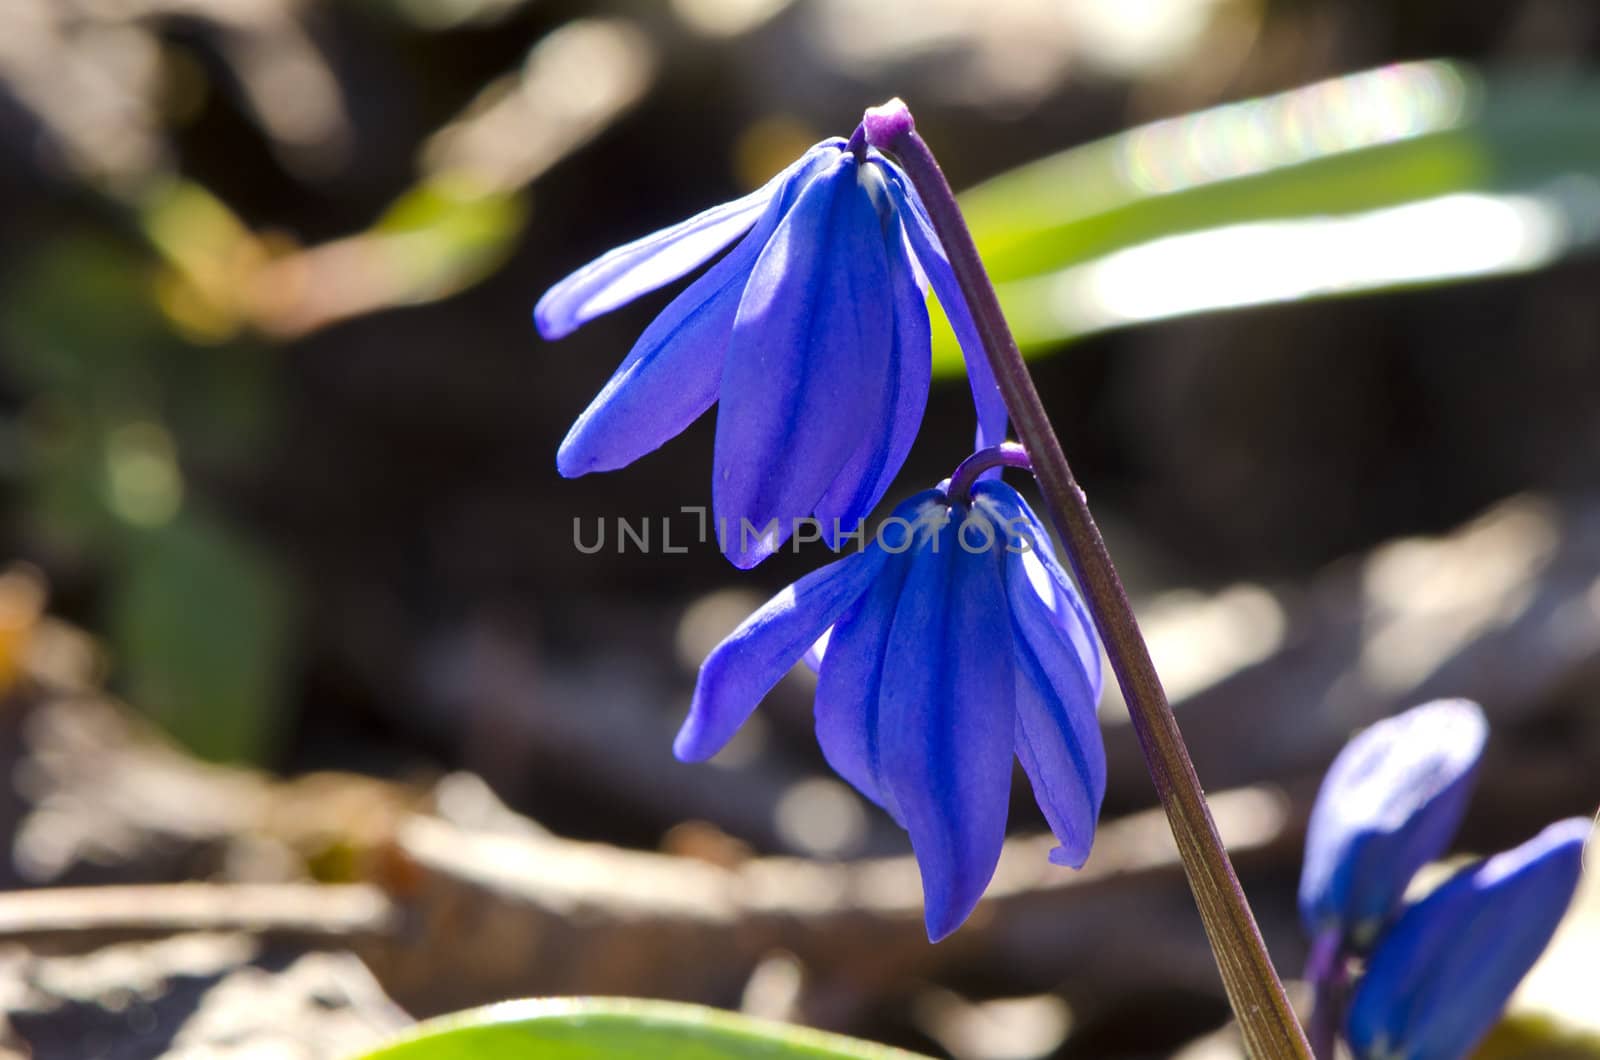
<point>957,646</point>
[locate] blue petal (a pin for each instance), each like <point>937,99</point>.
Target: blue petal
<point>866,477</point>
<point>672,374</point>
<point>991,406</point>
<point>1058,730</point>
<point>804,365</point>
<point>623,274</point>
<point>1050,582</point>
<point>848,687</point>
<point>754,658</point>
<point>947,722</point>
<point>1442,974</point>
<point>1390,803</point>
<point>851,677</point>
<point>1058,679</point>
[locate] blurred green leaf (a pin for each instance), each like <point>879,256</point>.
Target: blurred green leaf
<point>76,317</point>
<point>79,331</point>
<point>1532,1037</point>
<point>100,367</point>
<point>448,234</point>
<point>199,620</point>
<point>1412,174</point>
<point>604,1028</point>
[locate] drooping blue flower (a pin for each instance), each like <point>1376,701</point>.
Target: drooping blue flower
<point>811,335</point>
<point>1390,803</point>
<point>957,644</point>
<point>1441,975</point>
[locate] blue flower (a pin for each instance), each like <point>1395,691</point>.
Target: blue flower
<point>1436,976</point>
<point>957,643</point>
<point>1390,803</point>
<point>1440,976</point>
<point>811,334</point>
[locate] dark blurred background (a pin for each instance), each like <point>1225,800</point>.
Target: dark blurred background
<point>276,429</point>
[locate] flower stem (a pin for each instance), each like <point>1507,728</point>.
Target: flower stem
<point>1267,1021</point>
<point>1006,454</point>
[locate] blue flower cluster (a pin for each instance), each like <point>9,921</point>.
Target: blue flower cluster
<point>953,649</point>
<point>1438,970</point>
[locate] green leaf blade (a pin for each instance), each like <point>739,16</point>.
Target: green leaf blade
<point>1233,196</point>
<point>603,1028</point>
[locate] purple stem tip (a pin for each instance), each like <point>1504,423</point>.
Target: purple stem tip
<point>884,123</point>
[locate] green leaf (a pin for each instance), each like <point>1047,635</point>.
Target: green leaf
<point>604,1028</point>
<point>199,624</point>
<point>1413,174</point>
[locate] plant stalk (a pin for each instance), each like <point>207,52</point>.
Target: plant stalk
<point>1265,1017</point>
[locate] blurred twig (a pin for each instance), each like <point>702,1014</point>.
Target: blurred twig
<point>47,918</point>
<point>447,232</point>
